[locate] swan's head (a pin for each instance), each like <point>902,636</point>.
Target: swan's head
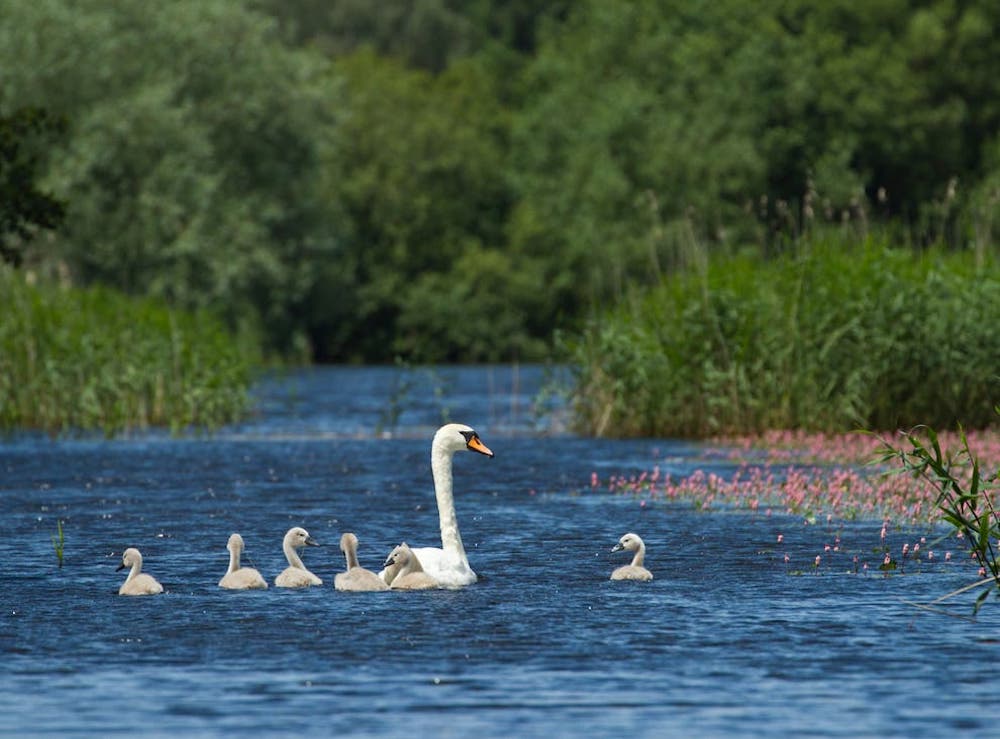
<point>454,437</point>
<point>348,542</point>
<point>297,537</point>
<point>630,541</point>
<point>399,556</point>
<point>130,558</point>
<point>235,543</point>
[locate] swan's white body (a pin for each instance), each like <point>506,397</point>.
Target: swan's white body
<point>634,571</point>
<point>357,578</point>
<point>236,577</point>
<point>296,575</point>
<point>449,565</point>
<point>137,582</point>
<point>411,575</point>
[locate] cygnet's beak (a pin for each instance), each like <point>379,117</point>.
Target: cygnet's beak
<point>390,560</point>
<point>311,542</point>
<point>120,567</point>
<point>617,547</point>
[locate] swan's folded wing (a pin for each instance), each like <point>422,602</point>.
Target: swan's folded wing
<point>448,568</point>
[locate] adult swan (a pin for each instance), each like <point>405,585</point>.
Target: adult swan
<point>449,565</point>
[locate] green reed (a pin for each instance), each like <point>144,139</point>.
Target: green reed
<point>827,337</point>
<point>965,496</point>
<point>78,359</point>
<point>58,542</point>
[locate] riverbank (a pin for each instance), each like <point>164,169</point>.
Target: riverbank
<point>832,337</point>
<point>93,359</point>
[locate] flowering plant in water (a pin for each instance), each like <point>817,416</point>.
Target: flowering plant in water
<point>849,476</point>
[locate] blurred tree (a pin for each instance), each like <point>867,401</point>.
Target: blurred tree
<point>426,34</point>
<point>23,207</point>
<point>193,156</point>
<point>417,172</point>
<point>647,127</point>
<point>372,178</point>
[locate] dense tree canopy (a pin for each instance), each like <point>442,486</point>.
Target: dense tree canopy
<point>23,207</point>
<point>452,180</point>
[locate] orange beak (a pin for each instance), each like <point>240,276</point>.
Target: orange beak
<point>476,445</point>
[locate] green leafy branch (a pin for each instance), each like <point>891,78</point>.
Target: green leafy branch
<point>965,496</point>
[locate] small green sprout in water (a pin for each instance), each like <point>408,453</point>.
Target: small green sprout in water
<point>58,541</point>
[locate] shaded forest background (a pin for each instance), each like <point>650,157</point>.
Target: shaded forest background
<point>445,180</point>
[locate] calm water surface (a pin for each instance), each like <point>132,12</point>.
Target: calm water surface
<point>727,640</point>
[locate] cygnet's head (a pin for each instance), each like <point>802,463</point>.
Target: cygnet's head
<point>297,537</point>
<point>454,437</point>
<point>235,543</point>
<point>630,541</point>
<point>399,556</point>
<point>130,557</point>
<point>348,541</point>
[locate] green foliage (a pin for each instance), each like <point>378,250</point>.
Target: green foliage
<point>59,542</point>
<point>415,174</point>
<point>453,180</point>
<point>827,339</point>
<point>192,159</point>
<point>424,34</point>
<point>75,359</point>
<point>746,122</point>
<point>966,496</point>
<point>23,207</point>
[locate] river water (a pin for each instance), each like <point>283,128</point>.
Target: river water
<point>728,640</point>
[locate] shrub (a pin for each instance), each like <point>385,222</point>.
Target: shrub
<point>826,339</point>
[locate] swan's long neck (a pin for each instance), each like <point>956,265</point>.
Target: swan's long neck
<point>234,560</point>
<point>352,557</point>
<point>451,540</point>
<point>640,556</point>
<point>292,556</point>
<point>134,572</point>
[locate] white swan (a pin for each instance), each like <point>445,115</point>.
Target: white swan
<point>296,575</point>
<point>357,578</point>
<point>448,565</point>
<point>236,577</point>
<point>411,575</point>
<point>137,582</point>
<point>634,571</point>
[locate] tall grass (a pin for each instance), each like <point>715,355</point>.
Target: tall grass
<point>73,359</point>
<point>828,338</point>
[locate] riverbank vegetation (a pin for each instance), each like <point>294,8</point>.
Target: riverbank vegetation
<point>450,181</point>
<point>77,359</point>
<point>438,181</point>
<point>828,337</point>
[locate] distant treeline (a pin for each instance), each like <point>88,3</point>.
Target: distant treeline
<point>450,180</point>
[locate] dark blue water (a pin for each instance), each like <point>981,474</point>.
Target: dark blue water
<point>728,640</point>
